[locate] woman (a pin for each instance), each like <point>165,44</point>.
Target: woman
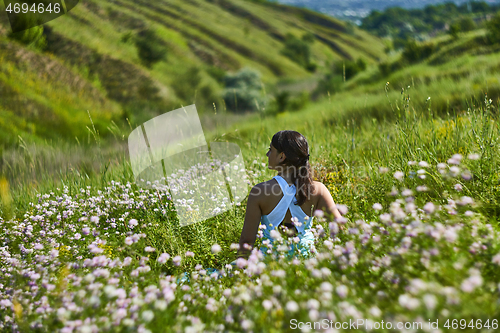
<point>272,203</point>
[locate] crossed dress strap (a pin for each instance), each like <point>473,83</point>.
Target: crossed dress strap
<point>279,212</point>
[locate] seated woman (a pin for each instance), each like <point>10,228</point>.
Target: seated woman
<point>271,203</point>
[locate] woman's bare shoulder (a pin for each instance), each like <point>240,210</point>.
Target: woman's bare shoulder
<point>318,188</point>
<point>263,187</point>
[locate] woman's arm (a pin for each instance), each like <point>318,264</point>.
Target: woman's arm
<point>326,203</point>
<point>252,221</point>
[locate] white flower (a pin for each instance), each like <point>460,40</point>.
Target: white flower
<point>216,248</point>
<point>267,304</point>
<point>383,170</point>
<point>496,259</point>
<point>377,206</point>
<point>342,209</point>
<point>149,249</point>
<point>455,171</point>
<point>163,258</point>
<point>132,223</point>
<point>473,156</point>
<point>247,324</point>
<point>423,164</point>
<point>292,306</point>
<point>326,287</point>
<point>375,311</point>
<point>341,291</point>
<point>319,213</point>
<point>176,260</point>
<point>313,304</point>
<point>430,301</point>
<point>148,315</point>
<point>429,208</point>
<point>399,175</point>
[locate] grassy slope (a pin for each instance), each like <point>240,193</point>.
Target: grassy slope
<point>86,43</point>
<point>457,76</point>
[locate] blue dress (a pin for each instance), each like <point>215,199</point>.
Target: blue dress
<point>305,246</point>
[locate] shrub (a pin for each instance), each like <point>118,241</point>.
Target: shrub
<point>466,24</point>
<point>150,47</point>
<point>242,91</point>
<point>298,50</point>
<point>414,52</point>
<point>493,27</point>
<point>330,84</point>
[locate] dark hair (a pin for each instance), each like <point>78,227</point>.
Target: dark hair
<point>296,150</point>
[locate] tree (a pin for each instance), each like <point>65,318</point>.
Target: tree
<point>243,91</point>
<point>466,24</point>
<point>150,47</point>
<point>454,30</point>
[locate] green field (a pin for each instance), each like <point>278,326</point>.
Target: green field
<point>410,156</point>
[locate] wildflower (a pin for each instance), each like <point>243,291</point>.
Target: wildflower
<point>176,260</point>
<point>247,324</point>
<point>292,306</point>
<point>341,291</point>
<point>383,170</point>
<point>216,248</point>
<point>94,219</point>
<point>149,249</point>
<point>465,200</point>
<point>313,304</point>
<point>423,164</point>
<point>471,283</point>
<point>422,188</point>
<point>399,175</point>
<point>410,163</point>
<point>319,213</point>
<point>473,156</point>
<point>429,208</point>
<point>408,302</point>
<point>147,315</point>
<point>234,246</point>
<point>394,191</point>
<point>496,259</point>
<point>454,171</point>
<point>466,175</point>
<point>342,209</point>
<point>163,258</point>
<point>189,254</point>
<point>407,193</point>
<point>430,301</point>
<point>267,304</point>
<point>458,187</point>
<point>386,218</point>
<point>132,223</point>
<point>377,206</point>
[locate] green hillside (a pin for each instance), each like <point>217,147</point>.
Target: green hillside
<point>92,63</point>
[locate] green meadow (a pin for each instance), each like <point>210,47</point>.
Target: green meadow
<point>408,148</point>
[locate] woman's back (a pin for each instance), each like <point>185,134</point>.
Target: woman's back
<point>272,195</point>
